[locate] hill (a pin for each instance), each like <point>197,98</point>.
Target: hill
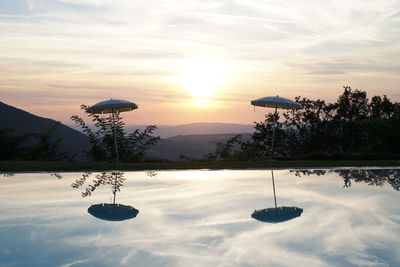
<point>201,128</point>
<point>22,122</point>
<point>206,128</point>
<point>192,146</point>
<point>190,140</point>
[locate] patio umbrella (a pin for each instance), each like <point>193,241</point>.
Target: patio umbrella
<point>112,106</point>
<point>275,102</point>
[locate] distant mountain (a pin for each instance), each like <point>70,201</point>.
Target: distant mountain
<point>166,131</point>
<point>190,140</point>
<point>22,122</point>
<point>204,128</point>
<point>192,146</point>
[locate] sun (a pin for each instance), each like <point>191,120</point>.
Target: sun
<point>202,78</point>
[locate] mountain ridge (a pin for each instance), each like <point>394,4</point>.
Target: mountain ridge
<point>197,128</point>
<point>23,122</point>
<point>192,140</point>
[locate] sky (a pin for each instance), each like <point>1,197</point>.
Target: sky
<point>193,61</point>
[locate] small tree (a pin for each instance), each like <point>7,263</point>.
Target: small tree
<point>131,147</point>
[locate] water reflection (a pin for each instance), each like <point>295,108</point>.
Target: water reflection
<point>276,214</point>
<point>373,177</point>
<point>107,211</point>
<point>198,218</point>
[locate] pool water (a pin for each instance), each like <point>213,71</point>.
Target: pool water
<point>350,217</point>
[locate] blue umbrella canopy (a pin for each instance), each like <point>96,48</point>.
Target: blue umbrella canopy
<point>276,102</point>
<point>112,106</point>
<point>277,215</point>
<point>113,212</point>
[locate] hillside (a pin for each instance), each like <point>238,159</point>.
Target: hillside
<point>200,128</point>
<point>192,146</point>
<point>22,122</point>
<point>203,128</point>
<point>169,147</point>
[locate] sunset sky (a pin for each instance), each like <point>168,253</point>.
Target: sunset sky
<point>193,61</point>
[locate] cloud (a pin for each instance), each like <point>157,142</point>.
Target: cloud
<point>267,44</point>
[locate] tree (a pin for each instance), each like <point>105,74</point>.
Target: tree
<point>46,147</point>
<point>31,146</point>
<point>131,147</point>
<point>226,150</point>
<point>351,125</point>
<point>10,146</point>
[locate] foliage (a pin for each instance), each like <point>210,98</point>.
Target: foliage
<point>10,146</point>
<point>131,147</point>
<point>351,125</point>
<point>33,146</point>
<point>226,150</point>
<point>46,148</point>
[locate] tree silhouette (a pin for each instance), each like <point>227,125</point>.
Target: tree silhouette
<point>131,147</point>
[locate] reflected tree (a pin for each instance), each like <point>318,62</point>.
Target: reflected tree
<point>105,211</point>
<point>57,175</point>
<point>151,174</point>
<point>373,177</point>
<point>7,174</point>
<point>114,179</point>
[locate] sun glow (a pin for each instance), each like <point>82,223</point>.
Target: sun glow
<point>202,78</point>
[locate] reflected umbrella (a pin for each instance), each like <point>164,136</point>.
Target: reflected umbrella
<point>107,211</point>
<point>113,212</point>
<point>276,214</point>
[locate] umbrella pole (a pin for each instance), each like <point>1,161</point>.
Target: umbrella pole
<point>115,187</point>
<point>115,192</point>
<point>273,186</point>
<point>115,135</point>
<point>273,132</point>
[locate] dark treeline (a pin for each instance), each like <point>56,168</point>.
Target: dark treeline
<point>33,146</point>
<point>354,127</point>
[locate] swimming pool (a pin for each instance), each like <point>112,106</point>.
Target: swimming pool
<point>350,217</point>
